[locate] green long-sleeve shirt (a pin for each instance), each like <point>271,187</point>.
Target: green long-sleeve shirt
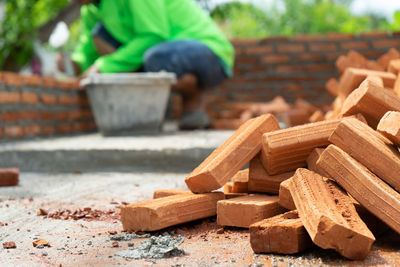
<point>139,25</point>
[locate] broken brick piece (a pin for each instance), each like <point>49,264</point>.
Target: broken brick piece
<point>261,181</point>
<point>240,182</point>
<point>371,101</point>
<point>329,216</point>
<point>389,126</point>
<point>353,59</point>
<point>285,197</point>
<point>370,148</point>
<point>367,188</point>
<point>9,177</point>
<point>231,156</point>
<point>286,150</point>
<point>42,212</point>
<point>41,242</point>
<point>156,214</point>
<point>312,161</point>
<point>8,245</point>
<point>283,234</point>
<point>244,211</point>
<point>352,78</point>
<point>169,192</point>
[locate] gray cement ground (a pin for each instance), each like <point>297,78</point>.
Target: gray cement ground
<point>173,152</point>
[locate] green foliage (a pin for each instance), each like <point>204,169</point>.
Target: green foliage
<point>19,28</point>
<point>290,17</point>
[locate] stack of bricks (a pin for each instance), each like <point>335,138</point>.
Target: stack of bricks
<point>32,106</point>
<point>333,183</point>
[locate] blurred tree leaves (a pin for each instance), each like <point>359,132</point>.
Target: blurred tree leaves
<point>19,29</point>
<point>290,17</point>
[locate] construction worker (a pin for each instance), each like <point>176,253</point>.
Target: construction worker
<point>154,35</point>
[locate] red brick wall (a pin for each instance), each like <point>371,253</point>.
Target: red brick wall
<point>34,106</point>
<point>294,68</point>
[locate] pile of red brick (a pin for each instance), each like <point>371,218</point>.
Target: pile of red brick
<point>333,183</point>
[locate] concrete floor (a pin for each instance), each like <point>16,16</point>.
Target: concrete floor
<point>78,243</point>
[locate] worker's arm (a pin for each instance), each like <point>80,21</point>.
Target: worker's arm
<point>150,25</point>
<point>85,53</point>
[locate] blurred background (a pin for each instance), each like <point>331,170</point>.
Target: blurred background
<point>26,26</point>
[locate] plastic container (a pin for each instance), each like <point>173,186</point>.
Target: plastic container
<point>129,103</point>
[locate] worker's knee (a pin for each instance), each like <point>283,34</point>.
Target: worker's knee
<point>155,58</point>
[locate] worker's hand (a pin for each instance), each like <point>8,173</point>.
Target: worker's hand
<point>92,70</point>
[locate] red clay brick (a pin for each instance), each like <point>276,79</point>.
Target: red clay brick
<point>231,156</point>
<point>29,115</point>
<point>261,181</point>
<point>64,128</point>
<point>169,192</point>
<point>308,57</point>
<point>283,234</point>
<point>48,99</point>
<point>157,214</point>
<point>259,50</point>
<point>332,86</point>
<point>246,60</point>
<point>48,130</point>
<point>68,100</point>
<point>370,95</point>
<point>246,210</point>
<point>49,82</point>
<point>285,197</point>
<point>369,148</point>
<point>274,59</point>
<point>291,48</point>
<point>312,161</point>
<point>69,84</point>
<point>287,149</point>
<point>13,131</point>
<point>32,80</point>
<point>46,115</point>
<point>323,47</point>
<point>10,97</point>
<point>32,130</point>
<point>354,45</point>
<point>394,66</point>
<point>367,188</point>
<point>386,43</point>
<point>329,216</point>
<point>12,79</point>
<point>385,59</point>
<point>240,182</point>
<point>389,126</point>
<point>9,177</point>
<point>29,98</point>
<point>10,116</point>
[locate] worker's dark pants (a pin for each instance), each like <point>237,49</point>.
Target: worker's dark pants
<point>180,57</point>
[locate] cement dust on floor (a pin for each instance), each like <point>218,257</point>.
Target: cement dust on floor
<point>87,241</point>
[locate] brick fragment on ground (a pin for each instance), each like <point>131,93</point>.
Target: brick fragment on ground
<point>156,214</point>
<point>352,78</point>
<point>231,156</point>
<point>285,197</point>
<point>312,161</point>
<point>244,211</point>
<point>9,245</point>
<point>364,186</point>
<point>283,234</point>
<point>329,216</point>
<point>240,182</point>
<point>169,192</point>
<point>371,101</point>
<point>370,148</point>
<point>9,177</point>
<point>389,126</point>
<point>42,242</point>
<point>261,181</point>
<point>287,149</point>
